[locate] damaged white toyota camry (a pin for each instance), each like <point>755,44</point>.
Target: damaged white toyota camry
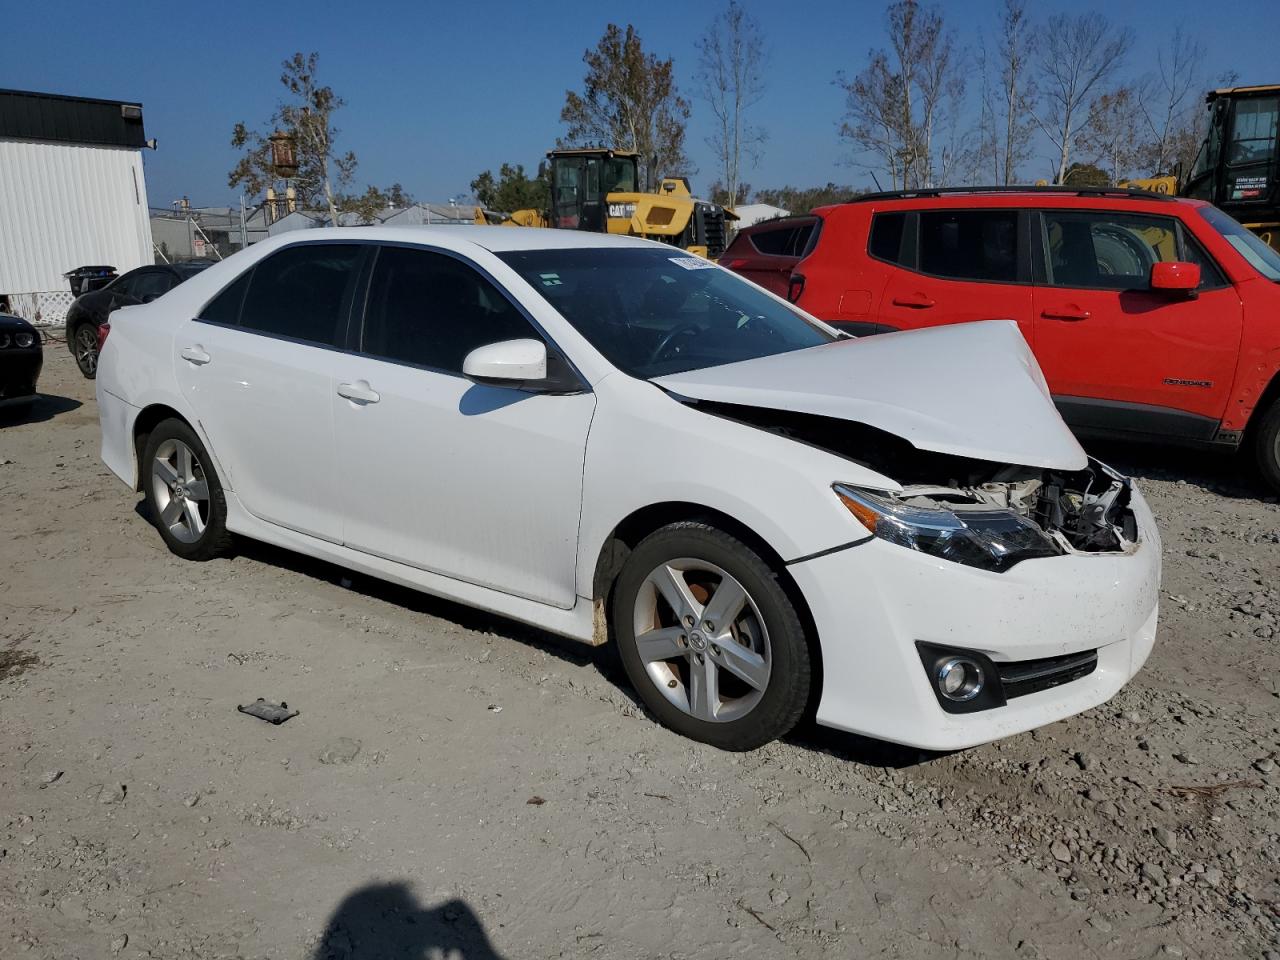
<point>620,443</point>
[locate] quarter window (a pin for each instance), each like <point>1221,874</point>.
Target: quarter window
<point>970,244</point>
<point>431,310</point>
<point>303,293</point>
<point>887,231</point>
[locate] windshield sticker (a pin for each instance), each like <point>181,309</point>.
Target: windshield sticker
<point>692,263</point>
<point>550,279</point>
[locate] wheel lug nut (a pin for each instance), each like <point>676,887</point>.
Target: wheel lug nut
<point>688,621</point>
<point>715,650</point>
<point>700,658</point>
<point>684,641</point>
<point>709,626</point>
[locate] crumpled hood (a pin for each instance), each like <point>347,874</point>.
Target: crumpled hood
<point>971,389</point>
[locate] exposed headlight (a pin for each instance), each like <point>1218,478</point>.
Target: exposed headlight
<point>5,340</point>
<point>24,339</point>
<point>622,211</point>
<point>992,539</point>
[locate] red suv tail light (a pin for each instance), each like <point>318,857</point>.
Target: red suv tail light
<point>795,287</point>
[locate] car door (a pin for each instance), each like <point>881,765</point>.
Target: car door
<point>259,367</point>
<point>480,483</point>
<point>1117,354</point>
<point>958,265</point>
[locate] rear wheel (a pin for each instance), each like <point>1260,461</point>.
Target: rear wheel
<point>1266,442</point>
<point>710,639</point>
<point>84,346</point>
<point>184,495</point>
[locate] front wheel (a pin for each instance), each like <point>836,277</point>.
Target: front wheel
<point>710,639</point>
<point>1267,445</point>
<point>184,494</point>
<point>84,346</point>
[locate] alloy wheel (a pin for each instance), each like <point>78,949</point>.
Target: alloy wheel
<point>181,491</point>
<point>87,349</point>
<point>702,640</point>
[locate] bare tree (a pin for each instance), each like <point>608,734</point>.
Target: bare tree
<point>903,105</point>
<point>1075,55</point>
<point>1169,100</point>
<point>731,69</point>
<point>307,117</point>
<point>1017,95</point>
<point>629,101</point>
<point>1108,132</point>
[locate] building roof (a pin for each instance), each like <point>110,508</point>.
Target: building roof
<point>25,115</point>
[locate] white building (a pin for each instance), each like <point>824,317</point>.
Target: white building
<point>750,213</point>
<point>72,193</point>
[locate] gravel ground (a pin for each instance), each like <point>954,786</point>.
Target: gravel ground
<point>457,785</point>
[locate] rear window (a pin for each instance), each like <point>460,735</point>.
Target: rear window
<point>788,240</point>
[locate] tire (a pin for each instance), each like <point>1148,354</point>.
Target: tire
<point>1266,445</point>
<point>183,493</point>
<point>735,685</point>
<point>84,347</point>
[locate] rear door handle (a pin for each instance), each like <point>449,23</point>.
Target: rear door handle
<point>1070,314</point>
<point>196,355</point>
<point>358,392</point>
<point>916,301</point>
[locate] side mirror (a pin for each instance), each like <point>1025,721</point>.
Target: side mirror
<point>1175,277</point>
<point>522,364</point>
<point>508,363</point>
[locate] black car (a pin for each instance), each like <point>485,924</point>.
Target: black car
<point>88,314</point>
<point>21,357</point>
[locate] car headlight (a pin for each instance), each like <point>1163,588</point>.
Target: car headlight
<point>24,339</point>
<point>622,211</point>
<point>4,340</point>
<point>992,539</point>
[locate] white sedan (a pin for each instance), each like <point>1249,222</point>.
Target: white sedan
<point>617,442</point>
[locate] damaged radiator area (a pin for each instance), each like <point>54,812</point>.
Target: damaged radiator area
<point>1085,511</point>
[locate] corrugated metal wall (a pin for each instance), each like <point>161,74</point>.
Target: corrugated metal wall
<point>64,206</point>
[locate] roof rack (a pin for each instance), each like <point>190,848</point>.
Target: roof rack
<point>1054,188</point>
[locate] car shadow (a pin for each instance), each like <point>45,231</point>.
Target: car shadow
<point>46,406</point>
<point>1224,474</point>
<point>384,921</point>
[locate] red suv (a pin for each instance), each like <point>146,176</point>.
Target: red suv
<point>768,252</point>
<point>1152,317</point>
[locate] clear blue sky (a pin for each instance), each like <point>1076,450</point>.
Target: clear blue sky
<point>437,92</point>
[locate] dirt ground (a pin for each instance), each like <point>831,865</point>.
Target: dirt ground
<point>460,786</point>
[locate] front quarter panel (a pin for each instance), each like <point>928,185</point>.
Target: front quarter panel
<point>647,448</point>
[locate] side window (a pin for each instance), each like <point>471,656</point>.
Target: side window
<point>774,243</point>
<point>1210,276</point>
<point>302,292</point>
<point>887,230</point>
<point>431,310</point>
<point>970,244</point>
<point>1108,251</point>
<point>225,307</point>
<point>151,284</point>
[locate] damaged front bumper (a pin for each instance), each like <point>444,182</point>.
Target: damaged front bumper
<point>874,602</point>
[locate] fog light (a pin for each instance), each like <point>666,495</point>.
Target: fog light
<point>959,679</point>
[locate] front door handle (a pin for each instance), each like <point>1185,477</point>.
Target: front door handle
<point>196,355</point>
<point>359,392</point>
<point>1070,314</point>
<point>916,301</point>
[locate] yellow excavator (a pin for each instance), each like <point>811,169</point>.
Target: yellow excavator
<point>1238,166</point>
<point>596,189</point>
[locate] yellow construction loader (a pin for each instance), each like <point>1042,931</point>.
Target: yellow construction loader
<point>1238,166</point>
<point>596,189</point>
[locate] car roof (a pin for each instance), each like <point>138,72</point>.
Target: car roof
<point>1019,196</point>
<point>776,222</point>
<point>459,237</point>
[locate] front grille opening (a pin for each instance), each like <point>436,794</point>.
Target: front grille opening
<point>1022,677</point>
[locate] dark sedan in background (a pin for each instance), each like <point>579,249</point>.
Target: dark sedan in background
<point>87,317</point>
<point>21,358</point>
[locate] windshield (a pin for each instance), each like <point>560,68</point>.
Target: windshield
<point>655,312</point>
<point>620,175</point>
<point>1249,245</point>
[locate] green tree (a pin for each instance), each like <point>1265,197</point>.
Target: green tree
<point>305,115</point>
<point>369,205</point>
<point>629,101</point>
<point>512,189</point>
<point>804,199</point>
<point>719,193</point>
<point>1086,175</point>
